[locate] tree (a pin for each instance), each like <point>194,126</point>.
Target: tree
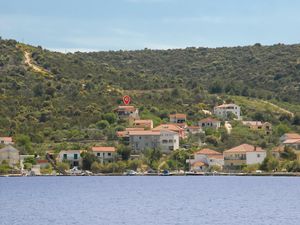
<point>134,164</point>
<point>216,87</point>
<point>88,159</point>
<point>288,153</point>
<point>124,151</point>
<point>96,167</point>
<point>102,124</point>
<point>269,164</point>
<point>38,90</point>
<point>24,142</point>
<point>282,129</point>
<point>296,120</point>
<point>152,155</point>
<point>63,166</point>
<point>30,160</point>
<point>110,117</point>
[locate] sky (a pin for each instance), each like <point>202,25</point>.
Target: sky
<point>101,25</point>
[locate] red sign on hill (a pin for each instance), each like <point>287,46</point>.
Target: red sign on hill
<point>126,99</point>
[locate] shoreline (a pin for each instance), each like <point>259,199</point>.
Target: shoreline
<point>186,174</point>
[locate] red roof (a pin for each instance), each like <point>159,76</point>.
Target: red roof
<point>199,163</point>
<point>128,108</point>
<point>178,115</point>
<point>209,120</point>
<point>292,136</point>
<point>207,151</point>
<point>40,161</point>
<point>172,127</point>
<point>244,148</point>
<point>144,133</point>
<point>292,141</point>
<point>8,139</point>
<point>103,149</point>
<point>193,127</point>
<point>134,128</point>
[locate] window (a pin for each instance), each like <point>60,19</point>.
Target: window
<point>65,156</point>
<point>140,137</point>
<point>170,141</point>
<point>75,156</point>
<point>98,154</point>
<point>258,155</point>
<point>109,154</point>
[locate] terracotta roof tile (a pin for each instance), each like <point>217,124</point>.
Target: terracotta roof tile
<point>244,148</point>
<point>292,136</point>
<point>103,149</point>
<point>207,151</point>
<point>177,115</point>
<point>209,120</point>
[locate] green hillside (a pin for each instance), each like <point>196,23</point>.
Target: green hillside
<point>73,92</point>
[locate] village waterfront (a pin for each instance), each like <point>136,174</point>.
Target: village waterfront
<point>149,200</point>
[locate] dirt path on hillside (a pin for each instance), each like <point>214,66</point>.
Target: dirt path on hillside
<point>28,61</point>
<point>279,108</point>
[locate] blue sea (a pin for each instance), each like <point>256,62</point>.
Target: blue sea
<point>149,200</point>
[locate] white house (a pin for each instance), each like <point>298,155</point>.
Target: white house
<point>244,154</point>
<point>222,111</point>
<point>6,140</point>
<point>165,140</point>
<point>105,154</point>
<point>141,140</point>
<point>169,140</point>
<point>71,156</point>
<point>208,158</point>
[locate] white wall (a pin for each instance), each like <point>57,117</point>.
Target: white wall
<point>252,157</point>
<point>169,139</point>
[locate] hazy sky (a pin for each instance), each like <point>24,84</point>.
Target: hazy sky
<point>69,25</point>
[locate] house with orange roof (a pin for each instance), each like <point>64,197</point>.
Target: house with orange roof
<point>6,140</point>
<point>222,111</point>
<point>165,140</point>
<point>147,124</point>
<point>177,118</point>
<point>171,127</point>
<point>141,140</point>
<point>209,123</point>
<point>244,154</point>
<point>292,140</point>
<point>199,166</point>
<point>127,112</point>
<point>208,157</point>
<point>104,154</point>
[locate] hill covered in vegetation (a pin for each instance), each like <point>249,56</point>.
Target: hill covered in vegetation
<point>72,93</point>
